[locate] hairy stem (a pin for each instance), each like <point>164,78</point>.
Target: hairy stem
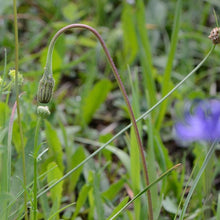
<point>48,71</point>
<point>18,108</point>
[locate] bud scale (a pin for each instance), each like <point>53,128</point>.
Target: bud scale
<point>45,89</point>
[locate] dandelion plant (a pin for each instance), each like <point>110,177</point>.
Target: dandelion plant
<point>46,86</point>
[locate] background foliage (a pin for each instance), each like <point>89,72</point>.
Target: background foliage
<point>88,109</point>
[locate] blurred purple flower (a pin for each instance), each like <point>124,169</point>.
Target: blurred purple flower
<point>202,123</point>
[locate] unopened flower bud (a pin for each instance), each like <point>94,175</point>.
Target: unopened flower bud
<point>43,111</point>
<point>215,35</point>
<point>45,89</point>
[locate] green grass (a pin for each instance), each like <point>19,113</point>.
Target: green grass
<point>83,160</point>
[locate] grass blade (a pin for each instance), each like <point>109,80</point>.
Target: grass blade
<point>208,157</point>
<point>60,210</point>
<point>145,53</point>
<point>168,69</point>
<point>144,190</point>
<point>81,199</point>
<point>119,207</point>
<point>218,208</point>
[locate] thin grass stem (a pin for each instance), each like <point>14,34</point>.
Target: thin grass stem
<point>18,107</point>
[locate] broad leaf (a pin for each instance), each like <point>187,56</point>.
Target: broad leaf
<point>54,144</point>
<point>94,99</point>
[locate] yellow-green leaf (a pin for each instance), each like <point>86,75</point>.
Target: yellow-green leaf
<point>95,98</point>
<point>55,148</point>
<point>56,192</point>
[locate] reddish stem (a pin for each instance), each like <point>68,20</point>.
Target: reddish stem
<point>48,71</point>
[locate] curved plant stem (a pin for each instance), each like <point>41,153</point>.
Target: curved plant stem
<point>35,166</point>
<point>48,71</point>
<point>143,116</point>
<point>18,108</point>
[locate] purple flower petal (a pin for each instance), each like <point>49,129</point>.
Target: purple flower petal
<point>202,123</point>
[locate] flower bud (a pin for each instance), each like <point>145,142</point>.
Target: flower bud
<point>45,89</point>
<point>43,111</point>
<point>214,35</point>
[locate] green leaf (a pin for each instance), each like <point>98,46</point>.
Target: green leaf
<point>77,158</point>
<point>144,190</point>
<point>71,12</point>
<point>195,182</point>
<point>153,170</point>
<point>3,133</point>
<point>134,149</point>
<point>84,41</point>
<point>119,206</point>
<point>170,60</point>
<point>5,198</point>
<point>16,137</point>
<point>169,205</point>
<point>91,198</point>
<point>122,155</point>
<point>4,114</point>
<point>81,199</point>
<point>54,144</point>
<point>218,208</point>
<point>129,34</point>
<point>99,205</point>
<point>94,99</point>
<point>135,171</point>
<point>172,182</point>
<point>113,190</point>
<point>56,192</point>
<point>145,53</point>
<point>60,210</point>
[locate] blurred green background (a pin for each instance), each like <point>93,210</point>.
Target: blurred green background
<point>87,103</point>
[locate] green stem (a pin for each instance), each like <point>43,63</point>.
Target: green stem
<point>48,71</point>
<point>37,130</point>
<point>18,108</point>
